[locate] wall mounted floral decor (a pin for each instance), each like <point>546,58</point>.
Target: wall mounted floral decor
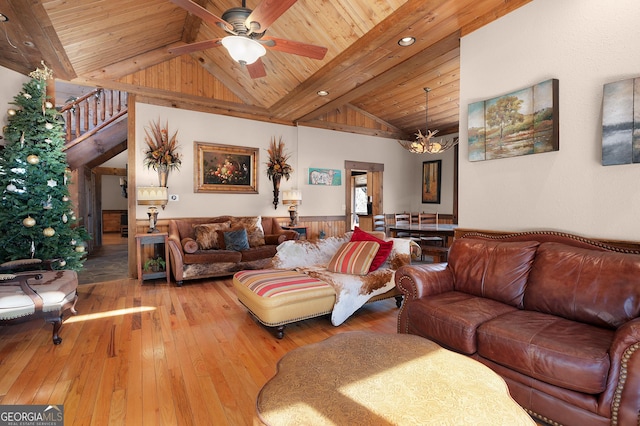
<point>277,167</point>
<point>160,152</point>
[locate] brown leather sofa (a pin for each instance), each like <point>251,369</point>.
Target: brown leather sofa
<point>554,314</point>
<point>199,263</point>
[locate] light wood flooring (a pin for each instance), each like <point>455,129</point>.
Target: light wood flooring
<point>158,355</point>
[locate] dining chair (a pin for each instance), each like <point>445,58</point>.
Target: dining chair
<point>403,219</point>
<point>428,241</point>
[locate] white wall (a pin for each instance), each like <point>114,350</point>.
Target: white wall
<point>309,147</point>
<point>585,44</point>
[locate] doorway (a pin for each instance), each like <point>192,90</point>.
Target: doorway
<point>356,186</point>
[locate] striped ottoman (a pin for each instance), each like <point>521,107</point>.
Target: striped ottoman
<point>279,297</point>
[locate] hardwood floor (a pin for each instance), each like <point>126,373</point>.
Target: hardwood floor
<point>158,354</point>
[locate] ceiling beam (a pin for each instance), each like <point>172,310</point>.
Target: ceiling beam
<point>35,22</point>
<point>398,74</point>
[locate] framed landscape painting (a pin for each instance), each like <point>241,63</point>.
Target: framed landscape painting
<point>225,168</point>
<point>431,180</point>
<point>519,123</point>
<point>621,122</point>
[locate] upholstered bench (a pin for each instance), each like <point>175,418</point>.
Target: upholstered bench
<point>280,297</point>
<point>40,294</point>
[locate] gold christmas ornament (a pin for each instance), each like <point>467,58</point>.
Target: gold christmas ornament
<point>65,198</point>
<point>80,249</point>
<point>28,221</point>
<point>48,232</point>
<point>48,126</point>
<point>11,112</point>
<point>62,263</point>
<point>65,219</point>
<point>44,73</point>
<point>33,159</point>
<point>48,104</point>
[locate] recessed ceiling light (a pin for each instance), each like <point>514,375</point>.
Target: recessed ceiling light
<point>406,41</point>
<point>322,93</point>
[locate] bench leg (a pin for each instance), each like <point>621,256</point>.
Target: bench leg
<point>57,323</point>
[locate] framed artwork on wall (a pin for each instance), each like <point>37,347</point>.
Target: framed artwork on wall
<point>328,177</point>
<point>621,122</point>
<point>225,168</point>
<point>519,123</point>
<point>431,181</point>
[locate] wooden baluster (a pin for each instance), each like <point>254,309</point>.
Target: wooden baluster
<point>87,107</point>
<point>68,122</point>
<point>77,121</point>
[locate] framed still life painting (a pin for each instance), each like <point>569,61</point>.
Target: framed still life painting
<point>431,180</point>
<point>225,168</point>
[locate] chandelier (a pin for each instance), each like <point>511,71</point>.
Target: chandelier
<point>425,143</point>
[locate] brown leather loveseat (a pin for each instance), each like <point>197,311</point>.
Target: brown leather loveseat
<point>196,252</point>
<point>555,315</point>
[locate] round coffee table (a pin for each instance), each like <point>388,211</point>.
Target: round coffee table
<point>364,378</point>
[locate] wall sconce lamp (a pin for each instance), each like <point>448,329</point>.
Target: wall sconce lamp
<point>123,186</point>
<point>153,196</point>
<point>294,199</point>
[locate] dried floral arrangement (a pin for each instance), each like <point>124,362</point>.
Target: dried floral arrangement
<point>277,166</point>
<point>161,150</point>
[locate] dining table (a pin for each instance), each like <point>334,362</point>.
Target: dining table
<point>445,230</point>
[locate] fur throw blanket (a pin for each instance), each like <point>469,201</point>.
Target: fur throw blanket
<point>352,291</point>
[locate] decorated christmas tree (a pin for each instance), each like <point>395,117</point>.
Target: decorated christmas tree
<point>36,215</point>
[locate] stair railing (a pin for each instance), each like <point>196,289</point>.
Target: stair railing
<point>88,114</point>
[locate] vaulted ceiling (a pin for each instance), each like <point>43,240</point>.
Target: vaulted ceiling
<point>375,86</point>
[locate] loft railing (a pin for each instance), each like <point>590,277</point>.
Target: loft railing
<point>87,115</point>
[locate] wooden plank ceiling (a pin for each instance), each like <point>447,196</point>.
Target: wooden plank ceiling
<point>375,86</point>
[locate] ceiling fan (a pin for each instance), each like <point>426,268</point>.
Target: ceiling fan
<point>246,41</point>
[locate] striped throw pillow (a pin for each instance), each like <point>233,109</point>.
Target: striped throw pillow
<point>354,257</point>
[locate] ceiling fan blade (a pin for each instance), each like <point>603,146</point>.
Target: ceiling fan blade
<point>201,12</point>
<point>295,47</point>
<point>194,47</point>
<point>266,12</point>
<point>256,69</point>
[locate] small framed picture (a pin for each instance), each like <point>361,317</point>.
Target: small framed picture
<point>431,177</point>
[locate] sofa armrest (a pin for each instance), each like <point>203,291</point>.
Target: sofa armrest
<point>288,234</point>
<point>275,239</point>
<point>622,395</point>
<point>176,254</point>
<point>416,281</point>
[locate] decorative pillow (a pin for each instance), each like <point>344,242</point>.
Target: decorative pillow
<point>220,235</point>
<point>253,225</point>
<point>382,254</point>
<point>189,245</point>
<point>236,240</point>
<point>354,258</point>
<point>206,234</point>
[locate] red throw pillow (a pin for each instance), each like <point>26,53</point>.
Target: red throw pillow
<point>383,252</point>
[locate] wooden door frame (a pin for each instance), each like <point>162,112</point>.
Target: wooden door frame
<point>374,174</point>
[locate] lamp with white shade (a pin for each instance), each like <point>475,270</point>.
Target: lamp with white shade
<point>152,196</point>
<point>293,198</point>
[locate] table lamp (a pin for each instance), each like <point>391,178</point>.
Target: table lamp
<point>292,197</point>
<point>152,196</point>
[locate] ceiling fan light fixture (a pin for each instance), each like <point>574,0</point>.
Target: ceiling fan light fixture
<point>406,41</point>
<point>425,144</point>
<point>243,49</point>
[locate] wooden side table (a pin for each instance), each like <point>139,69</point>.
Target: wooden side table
<point>302,230</point>
<point>153,239</point>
